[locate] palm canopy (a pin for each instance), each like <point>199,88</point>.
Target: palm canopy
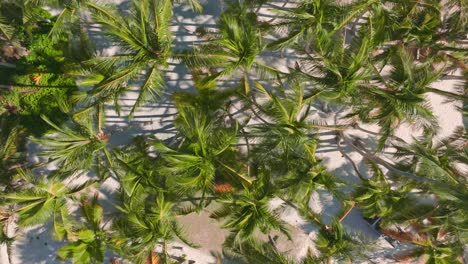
<point>423,27</point>
<point>248,214</point>
<point>437,160</point>
<point>138,171</point>
<point>377,197</point>
<point>79,146</point>
<point>212,101</point>
<point>301,23</point>
<point>88,239</point>
<point>234,50</point>
<point>407,21</point>
<point>400,98</point>
<point>297,184</point>
<point>69,17</point>
<point>440,230</point>
<point>10,154</point>
<point>146,222</point>
<point>337,68</point>
<point>145,42</point>
<point>43,199</point>
<point>286,133</point>
<point>336,243</point>
<point>6,30</point>
<point>205,154</point>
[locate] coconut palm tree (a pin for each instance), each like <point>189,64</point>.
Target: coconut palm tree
<point>286,131</point>
<point>205,153</point>
<point>42,199</point>
<point>423,27</point>
<point>234,50</point>
<point>212,101</point>
<point>298,184</point>
<point>137,170</point>
<point>437,160</point>
<point>6,30</point>
<point>67,20</point>
<point>88,239</point>
<point>301,23</point>
<point>10,155</point>
<point>377,197</point>
<point>335,244</point>
<point>399,99</point>
<point>77,147</point>
<point>145,222</point>
<point>248,214</point>
<point>145,42</point>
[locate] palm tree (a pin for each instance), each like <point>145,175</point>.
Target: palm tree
<point>301,23</point>
<point>88,241</point>
<point>145,40</point>
<point>137,170</point>
<point>6,30</point>
<point>67,20</point>
<point>248,213</point>
<point>335,244</point>
<point>234,50</point>
<point>436,160</point>
<point>423,27</point>
<point>286,133</point>
<point>401,99</point>
<point>77,147</point>
<point>377,197</point>
<point>146,221</point>
<point>11,155</point>
<point>42,199</point>
<point>211,100</point>
<point>297,185</point>
<point>205,153</point>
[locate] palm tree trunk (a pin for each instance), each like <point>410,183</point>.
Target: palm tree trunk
<point>5,248</point>
<point>4,256</point>
<point>341,150</point>
<point>272,242</point>
<point>347,212</point>
<point>448,94</point>
<point>236,173</point>
<point>386,164</point>
<point>312,216</point>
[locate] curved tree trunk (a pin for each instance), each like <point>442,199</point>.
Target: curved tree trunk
<point>4,256</point>
<point>5,248</point>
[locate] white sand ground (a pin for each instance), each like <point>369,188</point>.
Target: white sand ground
<point>36,246</point>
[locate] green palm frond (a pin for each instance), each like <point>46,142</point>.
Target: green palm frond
<point>6,30</point>
<point>145,223</point>
<point>288,133</point>
<point>87,245</point>
<point>145,41</point>
<point>234,51</point>
<point>207,145</point>
<point>376,197</point>
<point>249,212</point>
<point>255,252</point>
<point>436,161</point>
<point>44,200</point>
<point>75,147</point>
<point>299,24</point>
